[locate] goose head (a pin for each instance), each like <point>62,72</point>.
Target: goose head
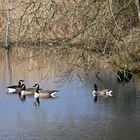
<point>20,82</point>
<point>37,87</point>
<point>23,87</point>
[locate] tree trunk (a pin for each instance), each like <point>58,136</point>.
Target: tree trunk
<point>7,36</point>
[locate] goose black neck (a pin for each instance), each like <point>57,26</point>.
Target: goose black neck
<point>19,83</point>
<point>95,87</point>
<point>37,89</point>
<point>23,87</point>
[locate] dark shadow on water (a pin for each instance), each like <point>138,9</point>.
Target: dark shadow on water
<point>124,76</point>
<point>22,98</point>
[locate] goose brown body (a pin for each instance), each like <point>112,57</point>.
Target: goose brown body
<point>43,93</point>
<point>103,93</point>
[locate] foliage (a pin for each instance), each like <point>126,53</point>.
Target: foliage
<point>102,26</point>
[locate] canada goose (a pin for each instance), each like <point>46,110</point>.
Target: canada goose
<point>43,93</point>
<point>15,88</point>
<point>26,92</point>
<point>103,93</point>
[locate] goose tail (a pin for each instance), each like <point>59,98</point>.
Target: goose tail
<point>109,93</point>
<point>53,95</point>
<point>11,90</point>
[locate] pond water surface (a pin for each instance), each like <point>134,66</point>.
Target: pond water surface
<point>73,115</point>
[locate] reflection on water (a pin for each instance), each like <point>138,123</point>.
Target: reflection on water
<point>8,65</point>
<point>73,114</point>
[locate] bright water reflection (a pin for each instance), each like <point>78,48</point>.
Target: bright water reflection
<point>73,114</point>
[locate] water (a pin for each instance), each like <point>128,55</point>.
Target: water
<point>73,114</point>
